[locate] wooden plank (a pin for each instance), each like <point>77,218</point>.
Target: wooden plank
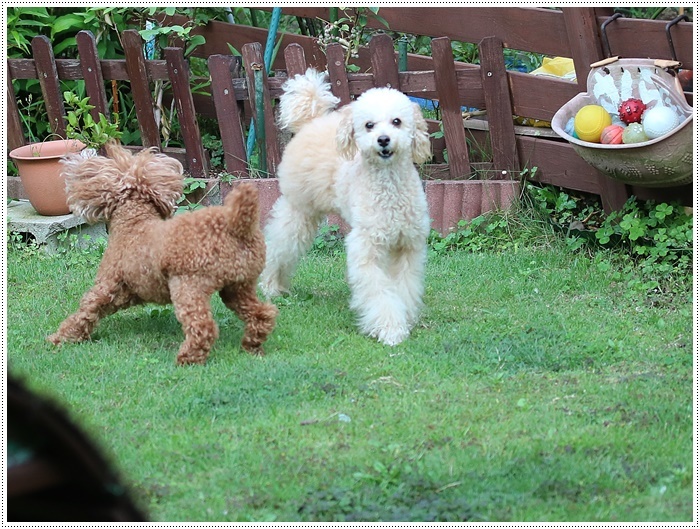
<point>48,80</point>
<point>253,56</point>
<point>15,134</point>
<point>629,37</point>
<point>384,65</point>
<point>140,88</point>
<point>584,40</point>
<point>586,48</point>
<point>92,73</point>
<point>69,69</point>
<point>517,27</point>
<point>613,194</point>
<point>187,116</point>
<point>498,106</point>
<point>539,97</point>
<point>446,81</point>
<point>683,194</point>
<point>221,69</point>
<point>338,73</point>
<point>558,164</point>
<point>295,60</point>
<point>220,35</point>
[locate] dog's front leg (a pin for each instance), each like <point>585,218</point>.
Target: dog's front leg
<point>101,300</point>
<point>408,277</point>
<point>382,312</point>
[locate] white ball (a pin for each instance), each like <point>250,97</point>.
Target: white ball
<point>658,121</point>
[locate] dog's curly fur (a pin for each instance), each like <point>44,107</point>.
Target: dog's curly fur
<point>356,162</point>
<point>153,256</point>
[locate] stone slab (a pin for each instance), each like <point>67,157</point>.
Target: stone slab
<point>23,218</point>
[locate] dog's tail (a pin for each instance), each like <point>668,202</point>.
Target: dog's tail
<point>304,98</point>
<point>243,210</point>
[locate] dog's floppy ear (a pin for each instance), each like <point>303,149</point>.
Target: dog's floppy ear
<point>159,178</point>
<point>421,139</point>
<point>345,135</point>
<point>92,186</point>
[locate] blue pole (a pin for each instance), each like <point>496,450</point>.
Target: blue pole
<point>269,48</point>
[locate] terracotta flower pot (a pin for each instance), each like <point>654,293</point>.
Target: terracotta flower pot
<point>40,173</point>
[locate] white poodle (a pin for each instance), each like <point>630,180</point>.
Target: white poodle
<point>356,162</point>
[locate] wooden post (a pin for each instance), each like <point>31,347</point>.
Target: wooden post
<point>15,134</point>
<point>228,114</point>
<point>453,125</point>
<point>494,79</point>
<point>295,60</point>
<point>384,67</point>
<point>140,89</point>
<point>337,73</point>
<point>179,73</point>
<point>586,48</point>
<point>47,74</point>
<point>92,73</point>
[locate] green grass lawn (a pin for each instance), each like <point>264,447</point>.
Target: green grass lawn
<point>535,388</point>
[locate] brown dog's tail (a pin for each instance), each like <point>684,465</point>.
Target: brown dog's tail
<point>244,210</point>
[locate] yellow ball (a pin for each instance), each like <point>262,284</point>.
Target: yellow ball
<point>590,122</point>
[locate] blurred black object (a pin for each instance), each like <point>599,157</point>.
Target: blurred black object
<point>54,472</point>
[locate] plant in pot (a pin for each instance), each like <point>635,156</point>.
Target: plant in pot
<point>39,165</point>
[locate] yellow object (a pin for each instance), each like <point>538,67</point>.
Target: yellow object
<point>590,122</point>
<point>560,67</point>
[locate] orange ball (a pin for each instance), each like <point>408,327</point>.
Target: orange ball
<point>590,121</point>
<point>612,134</point>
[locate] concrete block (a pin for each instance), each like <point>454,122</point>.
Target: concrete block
<point>23,218</point>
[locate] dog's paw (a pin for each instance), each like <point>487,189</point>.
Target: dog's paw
<point>272,290</point>
<point>392,336</point>
<point>54,339</point>
<point>59,338</point>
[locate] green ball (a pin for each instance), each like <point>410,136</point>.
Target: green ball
<point>634,133</point>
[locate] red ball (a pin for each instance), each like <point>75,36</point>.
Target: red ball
<point>631,110</point>
<point>686,79</point>
<point>612,134</point>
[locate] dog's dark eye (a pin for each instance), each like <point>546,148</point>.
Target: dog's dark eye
<point>369,125</point>
<point>397,122</point>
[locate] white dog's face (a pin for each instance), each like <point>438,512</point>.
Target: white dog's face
<point>383,124</point>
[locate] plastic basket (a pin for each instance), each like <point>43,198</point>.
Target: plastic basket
<point>665,161</point>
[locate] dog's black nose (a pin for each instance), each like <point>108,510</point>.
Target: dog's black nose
<point>383,141</point>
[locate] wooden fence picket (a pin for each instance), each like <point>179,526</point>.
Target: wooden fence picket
<point>451,108</point>
<point>140,88</point>
<point>337,73</point>
<point>15,136</point>
<point>295,60</point>
<point>47,74</point>
<point>221,70</point>
<point>384,65</point>
<point>179,73</point>
<point>92,73</point>
<point>499,108</point>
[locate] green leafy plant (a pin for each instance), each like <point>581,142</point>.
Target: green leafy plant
<point>329,239</point>
<point>193,194</point>
<point>349,30</point>
<point>80,250</point>
<point>657,236</point>
<point>82,126</point>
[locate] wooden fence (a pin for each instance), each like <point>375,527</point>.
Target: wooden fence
<point>569,32</point>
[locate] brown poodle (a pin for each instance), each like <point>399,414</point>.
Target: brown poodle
<point>181,260</point>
